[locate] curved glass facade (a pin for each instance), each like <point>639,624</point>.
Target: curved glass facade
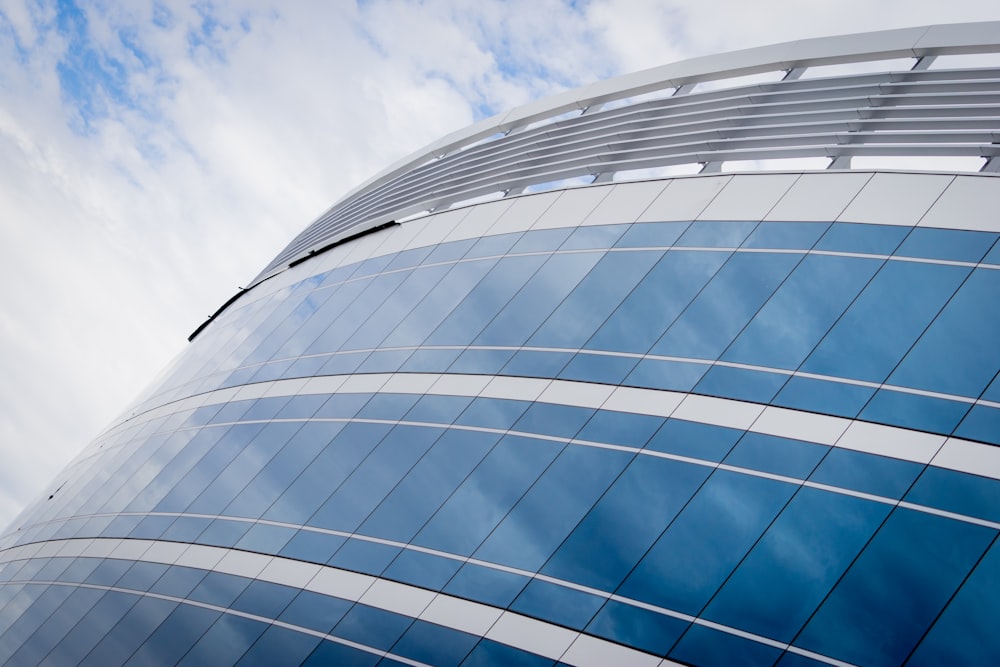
<point>712,420</point>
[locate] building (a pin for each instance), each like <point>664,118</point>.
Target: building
<point>534,395</point>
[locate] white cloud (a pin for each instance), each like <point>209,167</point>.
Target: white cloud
<point>214,138</point>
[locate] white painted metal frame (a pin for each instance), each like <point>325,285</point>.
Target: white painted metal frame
<point>911,112</point>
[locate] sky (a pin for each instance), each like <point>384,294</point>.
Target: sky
<point>154,156</point>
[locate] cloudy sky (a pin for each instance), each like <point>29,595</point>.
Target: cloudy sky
<point>155,155</point>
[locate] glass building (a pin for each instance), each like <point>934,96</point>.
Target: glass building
<point>563,388</point>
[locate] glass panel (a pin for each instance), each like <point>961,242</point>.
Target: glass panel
<point>795,564</point>
<point>537,299</point>
<point>801,311</point>
<point>647,312</point>
<point>895,589</point>
<point>557,604</point>
<point>486,496</point>
<point>726,304</point>
<point>695,555</point>
<point>611,539</point>
<point>888,316</point>
<point>547,513</point>
<point>598,294</point>
<point>958,353</point>
<point>949,244</point>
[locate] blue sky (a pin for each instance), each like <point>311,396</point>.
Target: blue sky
<point>157,154</point>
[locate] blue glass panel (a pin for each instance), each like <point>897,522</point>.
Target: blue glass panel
<point>342,406</point>
<point>450,252</point>
<point>171,640</point>
<point>488,493</point>
<point>311,546</point>
<point>380,472</point>
<point>407,259</point>
<point>885,320</point>
<point>430,361</point>
<point>315,611</point>
<point>636,627</point>
<point>481,362</point>
<point>343,363</point>
<point>647,312</point>
<point>490,246</point>
<point>432,310</point>
<point>706,541</point>
<point>925,413</point>
<point>384,361</point>
<point>594,299</point>
<point>713,234</point>
<point>484,301</point>
<point>368,557</point>
<point>781,456</point>
<point>186,529</point>
<point>219,589</point>
<point>669,375</point>
<point>796,563</point>
<point>301,407</point>
<point>420,569</point>
<point>832,398</point>
<point>279,646</point>
<point>304,336</point>
<point>601,368</point>
<point>179,581</point>
<point>620,428</point>
<point>388,406</point>
<point>106,573</point>
<point>982,423</point>
<point>55,628</point>
<point>553,419</point>
<point>547,513</point>
<point>725,305</point>
<point>281,471</point>
<point>123,640</point>
<point>786,235</point>
<point>360,309</point>
<point>957,492</point>
<point>741,384</point>
<point>895,589</point>
<point>962,246</point>
<point>701,645</point>
<point>46,600</point>
<point>434,645</point>
<point>492,413</point>
<point>958,353</point>
<point>594,236</point>
<point>327,471</point>
<point>801,311</point>
<point>263,598</point>
<point>493,654</point>
<point>206,469</point>
<point>225,642</point>
<point>541,239</point>
<point>94,626</point>
<point>537,299</point>
<point>330,653</point>
<point>611,539</point>
<point>864,238</point>
<point>529,363</point>
<point>484,584</point>
<point>652,234</point>
<point>695,440</point>
<point>372,627</point>
<point>391,312</point>
<point>965,634</point>
<point>435,477</point>
<point>438,409</point>
<point>232,411</point>
<point>141,576</point>
<point>557,604</point>
<point>265,539</point>
<point>254,455</point>
<point>867,473</point>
